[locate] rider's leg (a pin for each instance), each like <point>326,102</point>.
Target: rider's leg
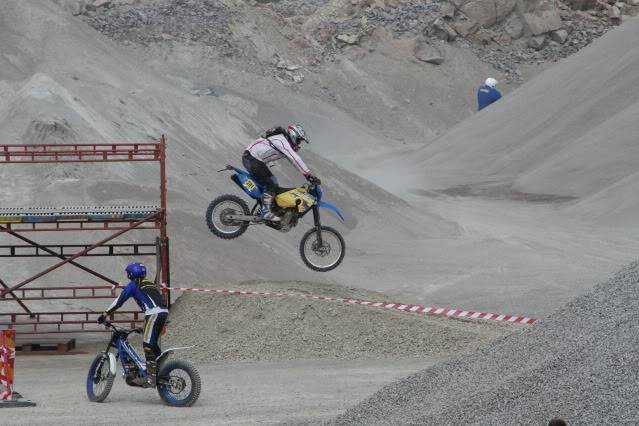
<point>153,325</point>
<point>260,171</point>
<point>268,198</point>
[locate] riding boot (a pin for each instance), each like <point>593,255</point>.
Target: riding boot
<point>151,373</point>
<point>267,214</point>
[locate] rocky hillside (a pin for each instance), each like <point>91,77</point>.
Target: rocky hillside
<point>505,33</point>
<point>407,70</point>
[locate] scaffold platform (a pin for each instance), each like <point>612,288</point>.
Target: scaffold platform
<point>112,220</point>
<point>74,218</point>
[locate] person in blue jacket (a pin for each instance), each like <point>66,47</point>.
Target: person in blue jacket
<point>487,93</point>
<point>150,300</point>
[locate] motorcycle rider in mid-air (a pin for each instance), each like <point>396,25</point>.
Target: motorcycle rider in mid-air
<point>276,143</point>
<point>148,297</point>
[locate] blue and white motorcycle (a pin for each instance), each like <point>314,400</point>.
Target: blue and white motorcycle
<point>177,382</point>
<point>228,216</point>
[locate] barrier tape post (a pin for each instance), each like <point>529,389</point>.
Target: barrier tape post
<point>9,398</point>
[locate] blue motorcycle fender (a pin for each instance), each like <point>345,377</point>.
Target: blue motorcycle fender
<point>332,207</point>
<point>248,185</point>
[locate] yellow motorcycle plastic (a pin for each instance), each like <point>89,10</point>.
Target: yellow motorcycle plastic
<point>295,197</point>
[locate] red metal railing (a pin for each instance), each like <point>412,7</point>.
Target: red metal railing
<point>64,324</point>
<point>62,250</point>
<point>79,153</point>
<point>53,293</point>
<point>111,225</point>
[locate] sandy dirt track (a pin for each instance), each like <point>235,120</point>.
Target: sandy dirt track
<point>232,393</point>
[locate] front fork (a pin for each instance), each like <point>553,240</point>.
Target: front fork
<point>318,225</point>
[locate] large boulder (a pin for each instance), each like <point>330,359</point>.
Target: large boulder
<point>467,27</point>
<point>429,53</point>
<point>537,42</point>
<point>514,27</point>
<point>487,12</point>
<point>442,30</point>
<point>540,16</point>
<point>559,36</point>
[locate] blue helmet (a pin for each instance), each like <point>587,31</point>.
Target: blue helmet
<point>135,270</point>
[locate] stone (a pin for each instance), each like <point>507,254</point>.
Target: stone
<point>481,11</point>
<point>488,12</point>
<point>514,27</point>
<point>442,30</point>
<point>428,53</point>
<point>614,15</point>
<point>381,34</point>
<point>284,65</point>
<point>559,36</point>
<point>76,7</point>
<point>484,36</point>
<point>537,42</point>
<point>101,3</point>
<point>348,38</point>
<point>504,8</point>
<point>447,10</point>
<point>542,21</point>
<point>466,28</point>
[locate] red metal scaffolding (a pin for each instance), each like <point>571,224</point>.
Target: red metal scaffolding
<point>117,220</point>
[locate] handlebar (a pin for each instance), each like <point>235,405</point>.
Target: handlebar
<point>109,324</point>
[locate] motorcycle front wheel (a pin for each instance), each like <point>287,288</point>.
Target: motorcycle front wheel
<point>179,384</point>
<point>217,216</point>
<point>99,379</point>
<point>325,256</point>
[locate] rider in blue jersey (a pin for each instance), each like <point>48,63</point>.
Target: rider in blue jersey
<point>487,94</point>
<point>149,299</point>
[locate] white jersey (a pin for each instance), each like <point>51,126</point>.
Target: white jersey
<point>274,148</point>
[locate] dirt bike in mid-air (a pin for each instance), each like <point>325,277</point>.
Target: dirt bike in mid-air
<point>178,382</point>
<point>322,248</point>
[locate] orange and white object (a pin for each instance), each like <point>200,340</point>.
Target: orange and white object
<point>7,359</point>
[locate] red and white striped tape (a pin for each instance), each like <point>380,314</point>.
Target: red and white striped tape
<point>458,313</point>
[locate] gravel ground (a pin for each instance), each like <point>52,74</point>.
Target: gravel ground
<point>281,328</point>
<point>579,364</point>
<point>233,393</point>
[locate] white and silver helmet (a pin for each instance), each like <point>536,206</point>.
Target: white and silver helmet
<point>296,134</point>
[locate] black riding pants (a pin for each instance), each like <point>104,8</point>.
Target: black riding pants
<point>260,171</point>
<point>153,325</point>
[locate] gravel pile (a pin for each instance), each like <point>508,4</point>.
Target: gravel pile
<point>284,328</point>
<point>202,21</point>
<point>580,364</point>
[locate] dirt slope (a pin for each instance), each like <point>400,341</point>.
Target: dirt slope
<point>63,82</point>
<point>568,133</point>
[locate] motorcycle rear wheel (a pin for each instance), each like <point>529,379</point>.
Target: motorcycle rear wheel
<point>217,221</point>
<point>99,378</point>
<point>179,384</point>
<point>326,257</point>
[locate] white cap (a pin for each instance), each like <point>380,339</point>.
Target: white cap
<point>491,82</point>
